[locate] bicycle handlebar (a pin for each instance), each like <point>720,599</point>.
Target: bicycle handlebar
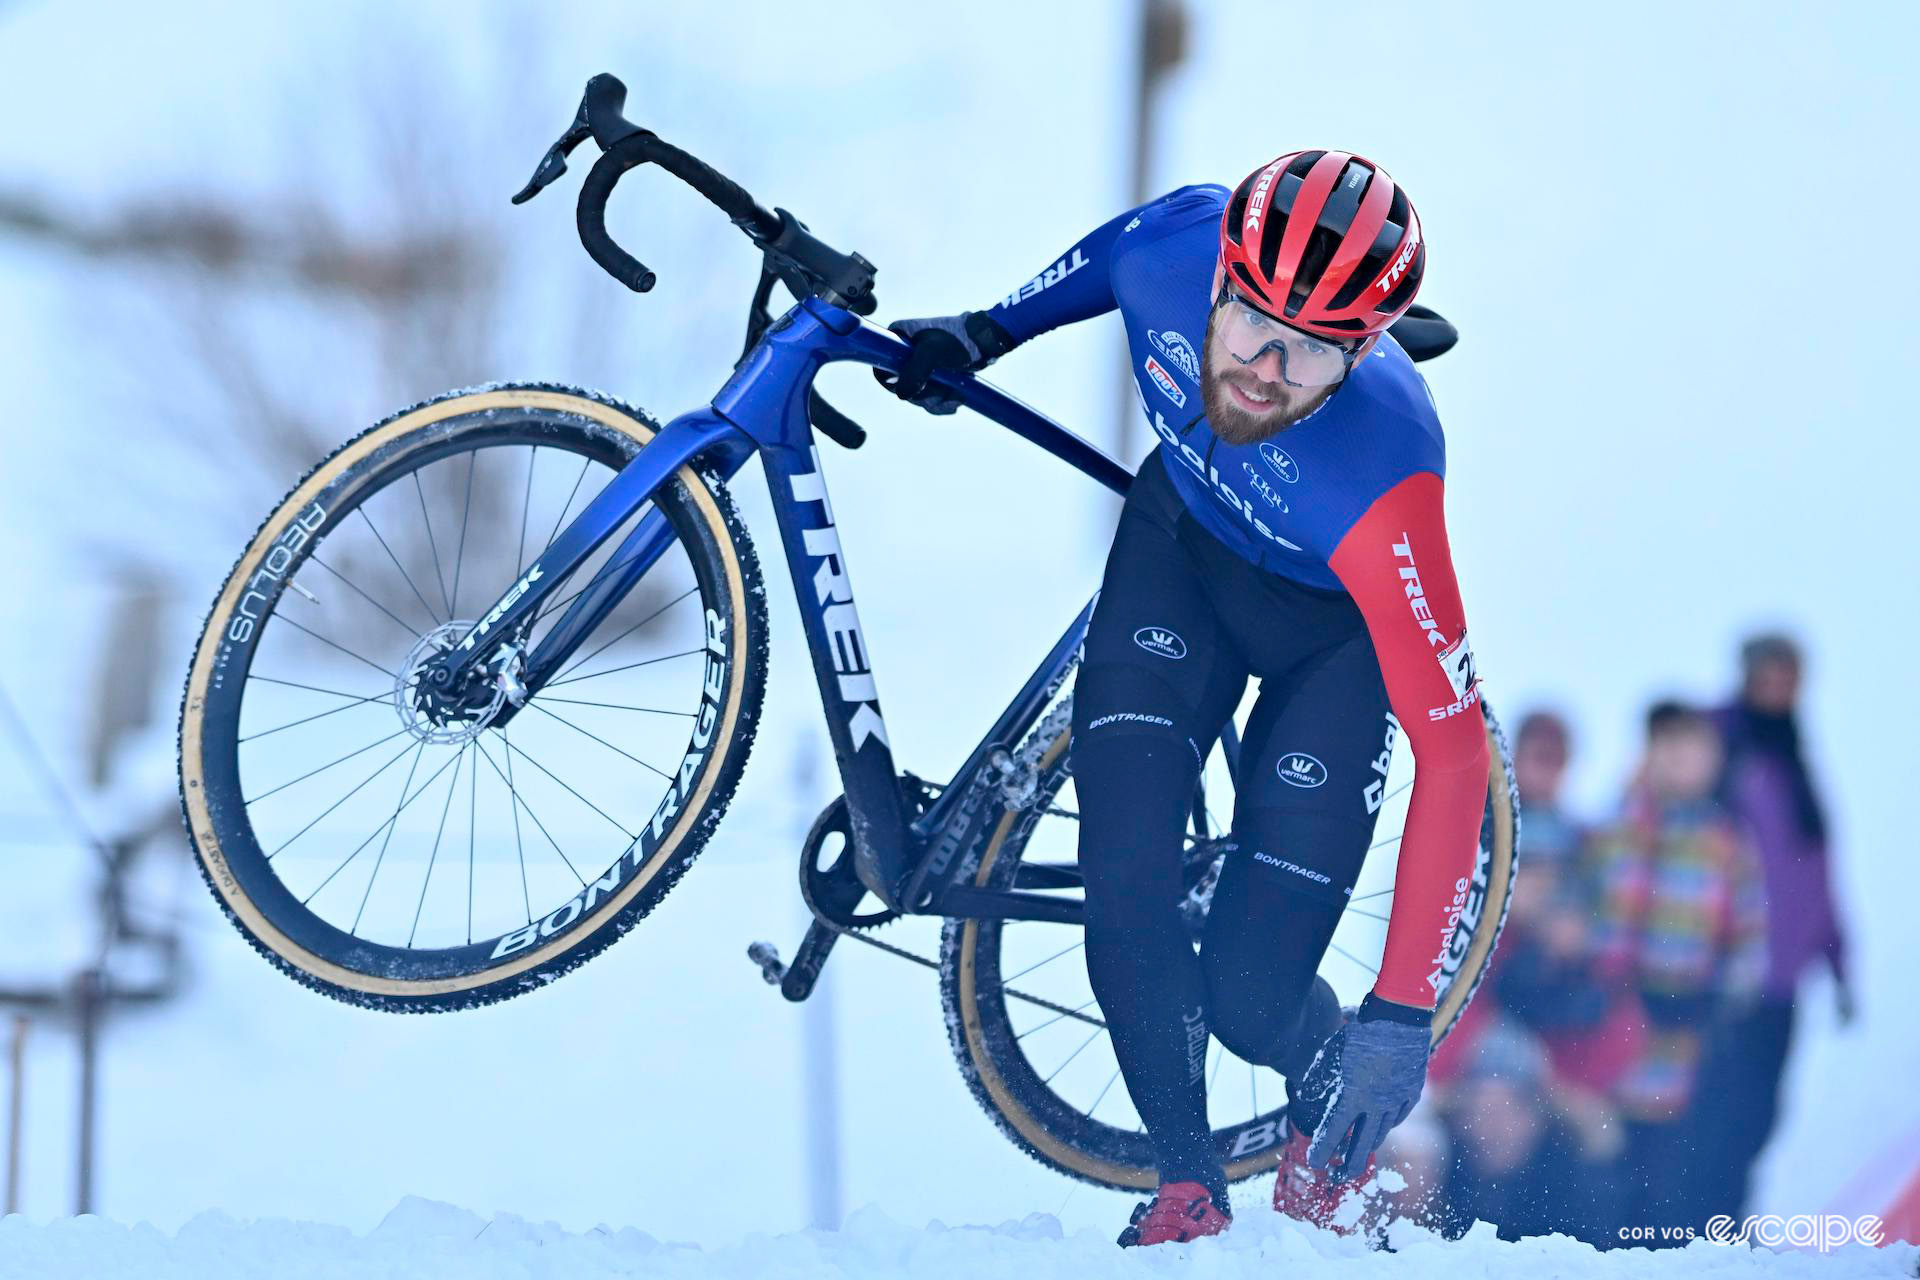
<point>795,257</point>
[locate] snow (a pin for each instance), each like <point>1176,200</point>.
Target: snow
<point>422,1238</point>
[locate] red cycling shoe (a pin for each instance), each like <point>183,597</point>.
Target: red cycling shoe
<point>1179,1212</point>
<point>1311,1195</point>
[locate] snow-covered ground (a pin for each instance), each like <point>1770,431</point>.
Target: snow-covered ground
<point>424,1238</point>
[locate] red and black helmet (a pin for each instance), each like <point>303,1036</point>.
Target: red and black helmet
<point>1326,241</point>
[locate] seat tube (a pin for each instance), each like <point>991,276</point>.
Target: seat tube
<point>842,665</point>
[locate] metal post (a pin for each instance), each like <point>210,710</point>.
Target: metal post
<point>819,1052</point>
<point>16,1090</point>
<point>1162,44</point>
<point>87,1002</point>
<point>823,1110</point>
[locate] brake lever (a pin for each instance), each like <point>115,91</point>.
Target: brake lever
<point>554,163</point>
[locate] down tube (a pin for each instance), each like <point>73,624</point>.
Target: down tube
<point>843,666</point>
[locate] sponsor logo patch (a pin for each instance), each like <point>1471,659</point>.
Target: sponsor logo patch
<point>1376,792</point>
<point>1297,768</point>
<point>1264,489</point>
<point>1052,276</point>
<point>1128,717</point>
<point>1164,380</point>
<point>1281,461</point>
<point>1159,640</point>
<point>1178,351</point>
<point>1318,877</point>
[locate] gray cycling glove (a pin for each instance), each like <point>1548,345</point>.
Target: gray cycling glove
<point>963,343</point>
<point>1363,1082</point>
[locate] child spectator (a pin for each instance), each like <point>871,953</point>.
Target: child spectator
<point>1681,928</point>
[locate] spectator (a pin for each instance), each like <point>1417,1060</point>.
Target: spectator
<point>1768,786</point>
<point>1514,1159</point>
<point>1682,928</point>
<point>1544,975</point>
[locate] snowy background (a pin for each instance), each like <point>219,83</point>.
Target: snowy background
<point>1671,239</point>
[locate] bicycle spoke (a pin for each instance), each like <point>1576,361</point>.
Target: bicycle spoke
<point>1362,897</point>
<point>1219,1061</point>
<point>513,805</point>
<point>390,824</point>
<point>543,829</point>
<point>629,667</point>
<point>411,585</point>
<point>321,715</point>
<point>1049,960</point>
<point>408,800</point>
<point>1103,1093</point>
<point>250,802</point>
<point>473,816</point>
<point>312,688</point>
<point>602,741</point>
<point>1076,1053</point>
<point>1370,915</point>
<point>621,706</point>
<point>438,575</point>
<point>452,786</point>
<point>1075,1013</point>
<point>459,555</point>
<point>1253,1083</point>
<point>526,504</point>
<point>403,624</point>
<point>1384,843</point>
<point>336,804</point>
<point>577,663</point>
<point>517,751</point>
<point>1374,970</point>
<point>342,648</point>
<point>574,492</point>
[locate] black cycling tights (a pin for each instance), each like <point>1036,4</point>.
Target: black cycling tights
<point>1181,626</point>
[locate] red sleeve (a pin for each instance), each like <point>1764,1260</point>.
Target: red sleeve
<point>1395,563</point>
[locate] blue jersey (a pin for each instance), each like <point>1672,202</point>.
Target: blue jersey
<point>1284,504</point>
<point>1349,498</point>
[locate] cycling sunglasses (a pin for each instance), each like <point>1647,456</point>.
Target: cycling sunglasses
<point>1306,360</point>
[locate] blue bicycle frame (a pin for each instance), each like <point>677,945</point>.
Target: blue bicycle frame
<point>763,408</point>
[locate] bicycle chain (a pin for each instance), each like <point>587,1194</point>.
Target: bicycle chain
<point>904,954</point>
<point>1014,778</point>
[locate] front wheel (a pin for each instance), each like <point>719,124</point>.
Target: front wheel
<point>398,862</point>
<point>1020,1013</point>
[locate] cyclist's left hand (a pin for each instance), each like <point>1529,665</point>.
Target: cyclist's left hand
<point>955,344</point>
<point>1371,1072</point>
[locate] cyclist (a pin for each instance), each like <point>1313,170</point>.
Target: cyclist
<point>1288,526</point>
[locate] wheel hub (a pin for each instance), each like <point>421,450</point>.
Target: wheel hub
<point>432,710</point>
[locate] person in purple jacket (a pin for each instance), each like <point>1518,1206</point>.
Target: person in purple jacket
<point>1769,788</point>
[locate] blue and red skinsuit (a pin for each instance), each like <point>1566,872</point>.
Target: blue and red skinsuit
<point>1349,498</point>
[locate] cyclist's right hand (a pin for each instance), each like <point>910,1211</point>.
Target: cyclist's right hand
<point>954,344</point>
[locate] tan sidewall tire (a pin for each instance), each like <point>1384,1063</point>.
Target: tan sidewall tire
<point>972,1043</point>
<point>746,644</point>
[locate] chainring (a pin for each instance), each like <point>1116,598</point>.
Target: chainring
<point>833,891</point>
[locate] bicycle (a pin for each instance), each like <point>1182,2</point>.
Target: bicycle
<point>657,562</point>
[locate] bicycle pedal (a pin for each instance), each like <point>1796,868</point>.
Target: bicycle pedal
<point>768,958</point>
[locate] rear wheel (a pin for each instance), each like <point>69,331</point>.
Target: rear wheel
<point>399,862</point>
<point>1044,1069</point>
